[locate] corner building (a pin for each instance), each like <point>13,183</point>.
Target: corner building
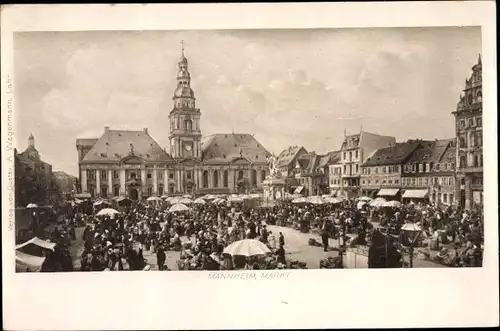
<point>132,163</point>
<point>469,136</point>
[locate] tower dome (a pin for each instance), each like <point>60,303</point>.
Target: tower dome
<point>183,74</point>
<point>184,92</point>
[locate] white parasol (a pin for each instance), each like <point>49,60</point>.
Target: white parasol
<point>316,200</point>
<point>189,196</point>
<point>247,247</point>
<point>411,227</point>
<point>333,201</point>
<point>173,200</point>
<point>246,197</point>
<point>299,200</point>
<point>32,205</point>
<point>185,201</point>
<point>178,207</point>
<point>236,198</point>
<point>218,201</point>
<point>367,199</point>
<point>164,196</point>
<point>199,201</point>
<point>360,204</point>
<point>153,199</point>
<point>210,197</point>
<point>378,202</point>
<point>393,204</point>
<point>107,212</point>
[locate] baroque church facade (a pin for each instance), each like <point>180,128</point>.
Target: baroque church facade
<point>132,163</point>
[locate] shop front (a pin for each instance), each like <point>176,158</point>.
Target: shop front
<point>390,194</point>
<point>421,195</point>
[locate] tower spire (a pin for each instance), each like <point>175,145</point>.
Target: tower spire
<point>479,59</point>
<point>182,47</point>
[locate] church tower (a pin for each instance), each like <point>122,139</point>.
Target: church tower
<point>185,132</point>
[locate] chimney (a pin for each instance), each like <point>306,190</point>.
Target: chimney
<point>106,128</point>
<point>145,130</point>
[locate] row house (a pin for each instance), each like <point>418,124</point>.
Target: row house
<point>289,168</point>
<point>429,175</point>
<point>382,171</point>
<point>354,151</point>
<point>335,173</point>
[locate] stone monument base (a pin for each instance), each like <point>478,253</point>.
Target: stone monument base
<point>274,189</point>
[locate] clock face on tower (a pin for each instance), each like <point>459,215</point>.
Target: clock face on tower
<point>188,148</point>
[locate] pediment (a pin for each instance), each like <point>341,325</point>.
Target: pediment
<point>241,160</point>
<point>188,161</point>
<point>132,159</point>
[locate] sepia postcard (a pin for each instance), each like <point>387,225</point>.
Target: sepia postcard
<point>245,159</point>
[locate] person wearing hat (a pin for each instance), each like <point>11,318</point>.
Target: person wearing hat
<point>160,256</point>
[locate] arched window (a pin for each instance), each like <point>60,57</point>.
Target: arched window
<point>469,99</point>
<point>240,174</point>
<point>479,96</point>
<point>160,190</point>
<point>171,188</point>
<point>254,177</point>
<point>226,178</point>
<point>216,178</point>
<point>205,178</point>
<point>188,125</point>
<point>262,175</point>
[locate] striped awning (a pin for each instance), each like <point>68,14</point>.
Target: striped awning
<point>415,194</point>
<point>388,192</point>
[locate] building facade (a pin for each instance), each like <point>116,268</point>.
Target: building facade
<point>382,171</point>
<point>469,141</point>
<point>335,173</point>
<point>33,176</point>
<point>132,163</point>
<point>353,153</point>
<point>289,168</point>
<point>429,175</point>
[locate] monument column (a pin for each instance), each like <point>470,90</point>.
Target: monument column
<point>165,181</point>
<point>210,178</point>
<point>122,181</point>
<point>83,183</point>
<point>178,179</point>
<point>98,182</point>
<point>110,182</point>
<point>143,181</point>
<point>155,182</point>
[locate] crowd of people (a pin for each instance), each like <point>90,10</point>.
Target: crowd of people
<point>117,241</point>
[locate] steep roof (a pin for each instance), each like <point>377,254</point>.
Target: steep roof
<point>114,145</point>
<point>392,155</point>
<point>304,161</point>
<point>288,155</point>
<point>225,147</point>
<point>334,157</point>
<point>430,151</point>
<point>86,142</point>
<point>324,160</point>
<point>449,155</point>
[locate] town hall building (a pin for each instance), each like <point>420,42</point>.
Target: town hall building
<point>132,163</point>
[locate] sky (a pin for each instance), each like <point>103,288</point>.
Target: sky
<point>287,87</point>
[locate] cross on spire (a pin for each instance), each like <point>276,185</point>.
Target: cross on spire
<point>182,46</point>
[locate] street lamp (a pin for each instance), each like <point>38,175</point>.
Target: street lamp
<point>411,232</point>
